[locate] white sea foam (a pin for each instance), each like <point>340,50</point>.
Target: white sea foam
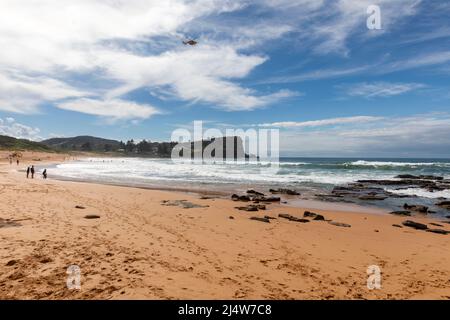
<point>396,164</point>
<point>422,193</point>
<point>142,170</point>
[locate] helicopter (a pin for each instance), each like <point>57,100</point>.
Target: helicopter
<point>190,42</point>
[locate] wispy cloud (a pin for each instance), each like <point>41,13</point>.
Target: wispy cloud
<point>317,75</point>
<point>419,61</point>
<point>380,89</point>
<point>23,94</point>
<point>9,127</point>
<point>321,123</point>
<point>411,136</point>
<point>114,109</point>
<point>115,41</point>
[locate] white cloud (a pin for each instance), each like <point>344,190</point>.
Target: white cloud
<point>345,18</point>
<point>57,40</point>
<point>9,127</point>
<point>135,44</point>
<point>424,60</point>
<point>381,89</point>
<point>414,136</point>
<point>23,94</point>
<point>203,75</point>
<point>320,123</point>
<point>317,75</point>
<point>114,109</point>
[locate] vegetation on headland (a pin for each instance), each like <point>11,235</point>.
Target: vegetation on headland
<point>112,147</point>
<point>10,143</point>
<point>89,144</point>
<point>130,148</point>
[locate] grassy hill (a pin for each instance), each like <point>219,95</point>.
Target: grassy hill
<point>10,143</point>
<point>82,143</point>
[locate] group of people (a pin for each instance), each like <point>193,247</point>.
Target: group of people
<point>30,170</point>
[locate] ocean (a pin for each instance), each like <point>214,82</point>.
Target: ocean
<point>307,175</point>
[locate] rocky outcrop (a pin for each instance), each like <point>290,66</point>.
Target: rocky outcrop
<point>285,191</point>
<point>252,207</point>
<point>339,224</point>
<point>292,218</point>
<point>416,208</point>
<point>236,197</point>
<point>92,216</point>
<point>401,213</point>
<point>444,204</point>
<point>415,225</point>
<point>314,216</point>
<point>255,193</point>
<point>260,219</point>
<point>255,197</point>
<point>438,231</point>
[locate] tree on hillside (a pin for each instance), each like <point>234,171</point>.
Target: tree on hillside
<point>86,146</point>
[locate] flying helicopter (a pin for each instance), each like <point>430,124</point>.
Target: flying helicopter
<point>190,42</point>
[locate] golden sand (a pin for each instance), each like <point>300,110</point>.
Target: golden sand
<point>141,249</point>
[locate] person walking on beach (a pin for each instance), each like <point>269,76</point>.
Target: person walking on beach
<point>44,174</point>
<point>28,172</point>
<point>32,172</point>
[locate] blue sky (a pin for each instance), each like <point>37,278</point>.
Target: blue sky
<point>312,68</point>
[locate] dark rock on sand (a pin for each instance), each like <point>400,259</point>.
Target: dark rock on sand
<point>339,224</point>
<point>80,207</point>
<point>422,177</point>
<point>438,231</point>
<point>397,226</point>
<point>285,191</point>
<point>236,197</point>
<point>292,218</point>
<point>253,192</point>
<point>10,263</point>
<point>444,204</point>
<point>260,219</point>
<point>406,176</point>
<point>415,225</point>
<point>270,218</point>
<point>248,208</point>
<point>430,177</point>
<point>401,213</point>
<point>5,223</point>
<point>417,208</point>
<point>207,197</point>
<point>436,224</point>
<point>92,216</point>
<point>372,197</point>
<point>269,199</point>
<point>315,216</point>
<point>231,217</point>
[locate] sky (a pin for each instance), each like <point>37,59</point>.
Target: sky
<point>310,68</point>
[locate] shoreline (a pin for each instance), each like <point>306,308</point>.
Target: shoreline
<point>147,245</point>
<point>363,196</point>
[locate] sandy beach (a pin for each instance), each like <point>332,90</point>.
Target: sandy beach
<point>142,248</point>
